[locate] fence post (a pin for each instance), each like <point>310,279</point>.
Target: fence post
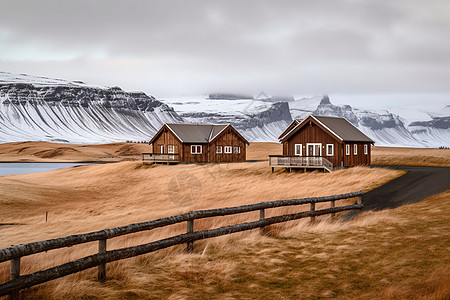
<point>101,276</point>
<point>14,272</point>
<point>262,216</point>
<point>190,228</point>
<point>313,209</point>
<point>359,200</point>
<point>333,205</point>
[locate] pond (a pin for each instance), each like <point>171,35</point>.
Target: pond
<point>26,168</point>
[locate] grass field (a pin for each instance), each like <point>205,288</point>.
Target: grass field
<point>53,152</point>
<point>395,254</point>
<point>390,156</point>
<point>385,255</point>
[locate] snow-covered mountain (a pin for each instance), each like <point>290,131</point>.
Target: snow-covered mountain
<point>44,109</point>
<point>385,128</point>
<point>257,120</point>
<point>263,118</point>
<point>435,131</point>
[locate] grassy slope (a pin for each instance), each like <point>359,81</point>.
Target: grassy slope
<point>87,198</point>
<point>392,253</point>
<point>53,152</point>
<point>390,156</point>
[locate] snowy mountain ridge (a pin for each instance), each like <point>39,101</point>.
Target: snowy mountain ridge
<point>44,109</point>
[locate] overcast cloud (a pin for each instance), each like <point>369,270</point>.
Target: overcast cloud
<point>170,48</point>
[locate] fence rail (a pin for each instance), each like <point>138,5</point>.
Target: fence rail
<point>14,253</point>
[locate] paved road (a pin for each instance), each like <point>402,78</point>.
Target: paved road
<point>419,183</point>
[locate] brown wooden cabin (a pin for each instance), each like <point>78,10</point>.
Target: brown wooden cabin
<point>195,143</point>
<point>322,143</point>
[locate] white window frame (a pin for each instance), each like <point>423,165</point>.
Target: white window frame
<point>171,149</point>
<point>331,153</point>
<point>219,149</point>
<point>237,150</point>
<point>355,149</point>
<point>162,149</point>
<point>347,149</point>
<point>301,149</point>
<point>194,149</point>
<point>228,149</point>
<point>366,149</point>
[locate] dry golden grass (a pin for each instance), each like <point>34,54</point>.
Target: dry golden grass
<point>390,156</point>
<point>87,198</point>
<point>261,151</point>
<point>54,152</point>
<point>394,254</point>
<point>391,253</point>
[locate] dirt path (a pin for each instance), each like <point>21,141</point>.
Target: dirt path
<point>416,185</point>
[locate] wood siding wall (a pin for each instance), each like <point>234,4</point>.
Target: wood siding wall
<point>226,138</point>
<point>195,158</point>
<point>167,138</point>
<point>360,159</point>
<point>312,133</point>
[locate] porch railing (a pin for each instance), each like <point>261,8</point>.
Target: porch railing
<point>299,161</point>
<point>161,158</point>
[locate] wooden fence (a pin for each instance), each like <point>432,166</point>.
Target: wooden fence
<point>14,253</point>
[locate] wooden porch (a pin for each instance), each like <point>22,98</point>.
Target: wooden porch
<point>300,162</point>
<point>155,158</point>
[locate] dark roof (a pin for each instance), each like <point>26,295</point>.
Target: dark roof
<point>344,129</point>
<point>196,133</point>
<point>340,127</point>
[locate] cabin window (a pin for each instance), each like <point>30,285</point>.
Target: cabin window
<point>228,149</point>
<point>196,149</point>
<point>219,149</point>
<point>347,149</point>
<point>237,150</point>
<point>162,148</point>
<point>366,149</point>
<point>330,149</point>
<point>298,149</point>
<point>170,149</point>
<point>355,149</point>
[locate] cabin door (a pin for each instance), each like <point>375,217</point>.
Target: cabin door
<point>314,149</point>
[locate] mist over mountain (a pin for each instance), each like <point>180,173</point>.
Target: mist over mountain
<point>45,109</point>
<point>263,118</point>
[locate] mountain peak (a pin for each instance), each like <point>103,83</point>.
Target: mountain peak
<point>325,100</point>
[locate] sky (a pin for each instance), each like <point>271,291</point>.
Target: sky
<point>362,52</point>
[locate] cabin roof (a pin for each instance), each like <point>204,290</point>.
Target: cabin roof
<point>196,133</point>
<point>340,127</point>
<point>343,128</point>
